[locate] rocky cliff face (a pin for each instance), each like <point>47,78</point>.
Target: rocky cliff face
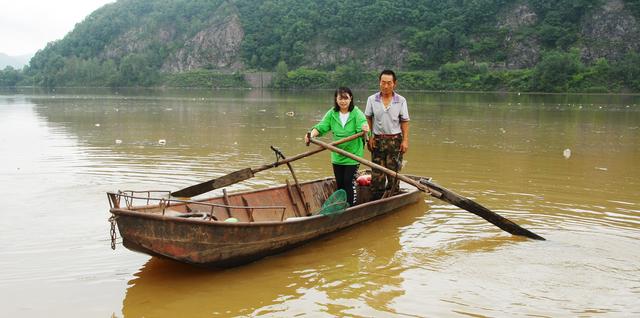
<point>216,47</point>
<point>609,32</point>
<point>373,56</point>
<point>132,42</point>
<point>520,52</point>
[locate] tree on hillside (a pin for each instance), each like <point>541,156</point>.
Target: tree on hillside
<point>555,71</point>
<point>9,77</point>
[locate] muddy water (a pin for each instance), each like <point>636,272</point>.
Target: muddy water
<point>565,167</point>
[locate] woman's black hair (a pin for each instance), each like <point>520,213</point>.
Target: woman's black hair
<point>339,92</point>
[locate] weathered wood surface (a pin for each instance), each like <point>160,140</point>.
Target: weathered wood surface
<point>222,244</point>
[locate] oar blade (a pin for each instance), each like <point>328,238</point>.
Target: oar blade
<point>247,173</point>
<point>217,183</point>
<point>479,210</point>
<point>441,193</point>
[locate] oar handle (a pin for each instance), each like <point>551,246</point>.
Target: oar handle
<point>246,173</point>
<point>373,165</point>
<point>305,154</point>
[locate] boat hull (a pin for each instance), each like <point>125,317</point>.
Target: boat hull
<point>223,244</point>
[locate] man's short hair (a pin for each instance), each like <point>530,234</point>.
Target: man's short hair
<point>387,72</point>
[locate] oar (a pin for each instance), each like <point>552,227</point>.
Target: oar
<point>442,194</point>
<point>247,173</point>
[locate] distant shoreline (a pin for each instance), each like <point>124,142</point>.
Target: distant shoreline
<point>195,88</point>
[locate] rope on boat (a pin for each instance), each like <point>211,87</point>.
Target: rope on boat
<point>113,232</point>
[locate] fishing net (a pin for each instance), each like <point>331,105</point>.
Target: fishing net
<point>336,203</point>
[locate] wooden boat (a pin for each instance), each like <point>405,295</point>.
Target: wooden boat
<point>268,221</point>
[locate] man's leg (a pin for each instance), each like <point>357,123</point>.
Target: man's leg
<point>393,161</point>
<point>378,177</point>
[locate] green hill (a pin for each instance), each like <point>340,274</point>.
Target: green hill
<point>541,45</point>
<point>16,62</point>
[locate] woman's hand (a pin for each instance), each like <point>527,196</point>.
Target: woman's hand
<point>314,133</point>
<point>365,128</point>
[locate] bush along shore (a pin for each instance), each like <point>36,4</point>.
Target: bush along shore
<point>557,73</point>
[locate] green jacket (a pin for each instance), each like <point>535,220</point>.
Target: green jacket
<point>331,122</point>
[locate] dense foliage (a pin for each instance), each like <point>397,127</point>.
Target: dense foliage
<point>452,45</point>
<point>435,30</point>
<point>204,78</point>
<point>557,72</point>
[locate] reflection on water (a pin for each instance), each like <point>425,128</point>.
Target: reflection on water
<point>200,137</point>
<point>61,152</point>
<point>343,274</point>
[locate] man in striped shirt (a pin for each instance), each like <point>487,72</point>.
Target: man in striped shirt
<point>388,116</point>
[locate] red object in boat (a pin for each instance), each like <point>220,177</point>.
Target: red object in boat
<point>364,180</point>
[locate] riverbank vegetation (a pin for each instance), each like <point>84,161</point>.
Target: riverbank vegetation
<point>557,72</point>
<point>481,45</point>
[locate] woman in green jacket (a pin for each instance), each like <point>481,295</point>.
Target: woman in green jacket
<point>344,120</point>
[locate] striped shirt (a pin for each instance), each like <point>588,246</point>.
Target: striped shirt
<point>387,120</point>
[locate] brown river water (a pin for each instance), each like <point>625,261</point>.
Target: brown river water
<point>566,167</point>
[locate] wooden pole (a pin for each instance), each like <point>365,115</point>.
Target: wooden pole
<point>246,173</point>
<point>442,194</point>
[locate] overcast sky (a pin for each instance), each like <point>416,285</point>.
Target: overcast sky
<point>26,26</point>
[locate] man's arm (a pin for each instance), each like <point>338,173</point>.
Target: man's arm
<point>371,144</point>
<point>404,126</point>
